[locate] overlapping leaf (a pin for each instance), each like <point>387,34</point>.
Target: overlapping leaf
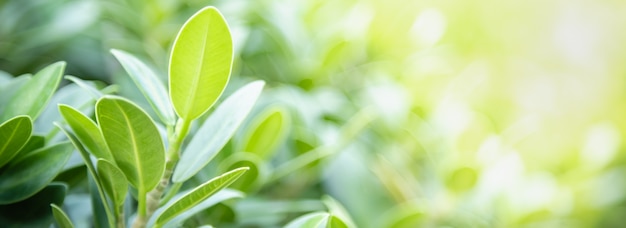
<point>32,98</point>
<point>217,130</point>
<point>14,134</point>
<point>134,141</point>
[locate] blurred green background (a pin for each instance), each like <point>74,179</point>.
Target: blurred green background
<point>477,113</point>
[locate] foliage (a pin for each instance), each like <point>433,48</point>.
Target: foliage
<point>408,113</point>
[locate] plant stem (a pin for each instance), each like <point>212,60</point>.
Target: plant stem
<point>173,154</point>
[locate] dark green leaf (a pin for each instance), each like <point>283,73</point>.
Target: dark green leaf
<point>29,174</point>
<point>61,218</point>
<point>14,134</point>
<point>35,210</point>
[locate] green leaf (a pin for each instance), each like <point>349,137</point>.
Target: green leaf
<point>317,220</point>
<point>256,175</point>
<point>14,134</point>
<point>134,141</point>
<point>336,209</point>
<point>34,211</point>
<point>218,197</point>
<point>86,131</point>
<point>32,98</point>
<point>200,63</point>
<point>199,194</point>
<point>267,132</point>
<point>10,88</point>
<point>102,212</point>
<point>91,89</point>
<point>71,95</point>
<point>217,130</point>
<point>113,181</point>
<point>29,174</point>
<point>149,84</point>
<point>62,219</point>
<point>35,142</point>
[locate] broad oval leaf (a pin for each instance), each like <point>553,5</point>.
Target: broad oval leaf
<point>217,130</point>
<point>32,98</point>
<point>200,63</point>
<point>86,131</point>
<point>113,181</point>
<point>267,132</point>
<point>134,141</point>
<point>59,215</point>
<point>34,211</point>
<point>26,176</point>
<point>149,84</point>
<point>14,134</point>
<point>199,194</point>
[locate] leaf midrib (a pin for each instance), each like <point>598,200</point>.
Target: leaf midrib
<point>10,139</point>
<point>134,144</point>
<point>196,78</point>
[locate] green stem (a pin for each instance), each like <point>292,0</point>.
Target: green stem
<point>153,197</point>
<point>121,223</point>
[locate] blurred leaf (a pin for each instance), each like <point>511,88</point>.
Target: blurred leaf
<point>87,131</point>
<point>199,194</point>
<point>35,210</point>
<point>29,174</point>
<point>35,142</point>
<point>71,95</point>
<point>336,209</point>
<point>149,84</point>
<point>200,63</point>
<point>94,92</point>
<point>267,132</point>
<point>316,220</point>
<point>254,177</point>
<point>217,130</point>
<point>134,141</point>
<point>113,181</point>
<point>61,218</point>
<point>218,197</point>
<point>14,134</point>
<point>462,179</point>
<point>10,88</point>
<point>32,98</point>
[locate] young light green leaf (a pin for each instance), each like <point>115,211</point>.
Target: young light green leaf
<point>86,131</point>
<point>113,181</point>
<point>29,174</point>
<point>134,141</point>
<point>217,130</point>
<point>32,98</point>
<point>256,175</point>
<point>199,194</point>
<point>10,88</point>
<point>268,130</point>
<point>62,219</point>
<point>14,134</point>
<point>149,84</point>
<point>200,63</point>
